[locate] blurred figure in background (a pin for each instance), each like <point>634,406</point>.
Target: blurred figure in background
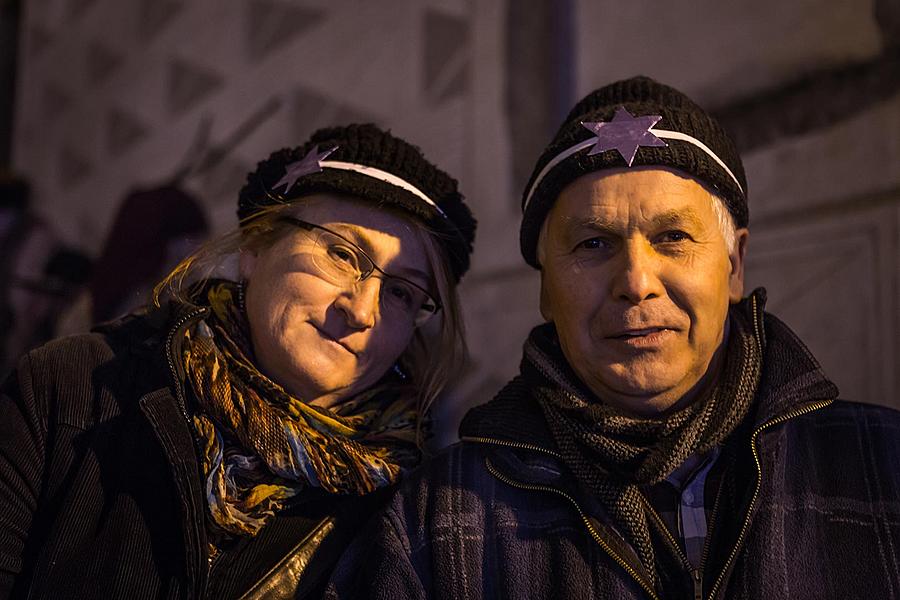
<point>39,276</point>
<point>151,232</point>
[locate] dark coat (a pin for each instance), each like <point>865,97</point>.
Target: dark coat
<point>101,494</point>
<point>497,516</point>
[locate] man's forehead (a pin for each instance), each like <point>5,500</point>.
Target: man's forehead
<point>647,177</point>
<point>657,193</point>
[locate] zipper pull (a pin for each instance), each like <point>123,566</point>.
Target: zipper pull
<point>698,584</point>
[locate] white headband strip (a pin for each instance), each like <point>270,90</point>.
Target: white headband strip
<point>662,133</point>
<point>382,176</point>
<point>677,135</point>
<point>555,161</point>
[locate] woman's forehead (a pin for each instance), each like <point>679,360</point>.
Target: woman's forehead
<point>329,209</point>
<point>386,235</point>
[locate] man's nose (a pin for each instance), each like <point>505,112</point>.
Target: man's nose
<point>637,273</point>
<point>360,303</point>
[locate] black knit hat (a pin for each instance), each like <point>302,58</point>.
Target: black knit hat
<point>682,126</point>
<point>364,161</point>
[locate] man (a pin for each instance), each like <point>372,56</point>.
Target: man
<point>666,438</point>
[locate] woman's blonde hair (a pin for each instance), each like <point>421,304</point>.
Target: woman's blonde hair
<point>434,356</point>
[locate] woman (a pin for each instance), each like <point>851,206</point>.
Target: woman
<point>229,442</point>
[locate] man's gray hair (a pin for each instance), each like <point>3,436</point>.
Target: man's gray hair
<point>726,221</point>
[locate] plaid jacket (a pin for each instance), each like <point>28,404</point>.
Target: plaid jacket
<point>498,516</point>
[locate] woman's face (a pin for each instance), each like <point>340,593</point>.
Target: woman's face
<point>322,341</point>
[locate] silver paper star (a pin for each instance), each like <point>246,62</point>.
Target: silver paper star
<point>624,133</point>
<point>306,165</point>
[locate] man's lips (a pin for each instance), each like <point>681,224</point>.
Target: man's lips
<point>643,338</point>
<point>639,332</point>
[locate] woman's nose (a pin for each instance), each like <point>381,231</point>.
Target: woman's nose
<point>360,303</point>
<point>637,275</point>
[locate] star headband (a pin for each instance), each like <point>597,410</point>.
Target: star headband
<point>625,133</point>
<point>314,162</point>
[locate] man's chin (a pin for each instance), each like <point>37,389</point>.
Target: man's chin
<point>644,396</point>
<point>646,404</point>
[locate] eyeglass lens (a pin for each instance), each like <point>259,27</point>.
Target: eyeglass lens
<point>345,264</point>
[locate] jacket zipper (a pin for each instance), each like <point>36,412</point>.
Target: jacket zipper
<point>587,523</point>
<point>182,405</point>
<point>179,394</point>
<point>696,574</point>
<point>777,420</point>
<point>666,533</point>
<point>519,445</point>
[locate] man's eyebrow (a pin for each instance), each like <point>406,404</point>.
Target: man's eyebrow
<point>669,218</point>
<point>677,217</point>
<point>594,222</point>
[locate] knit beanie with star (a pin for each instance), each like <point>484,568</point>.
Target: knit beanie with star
<point>366,162</point>
<point>630,123</point>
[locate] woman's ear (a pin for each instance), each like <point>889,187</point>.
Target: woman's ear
<point>246,263</point>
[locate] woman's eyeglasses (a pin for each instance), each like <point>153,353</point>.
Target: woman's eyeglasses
<point>341,262</point>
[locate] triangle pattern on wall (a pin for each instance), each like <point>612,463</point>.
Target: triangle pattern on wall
<point>39,39</point>
<point>124,130</point>
<point>101,62</point>
<point>188,84</point>
<point>55,101</point>
<point>76,8</point>
<point>272,24</point>
<point>72,167</point>
<point>154,15</point>
<point>224,181</point>
<point>311,110</point>
<point>446,56</point>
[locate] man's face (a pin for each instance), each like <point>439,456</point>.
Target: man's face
<point>637,277</point>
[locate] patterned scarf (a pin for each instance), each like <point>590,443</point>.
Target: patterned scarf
<point>261,446</point>
<point>613,454</point>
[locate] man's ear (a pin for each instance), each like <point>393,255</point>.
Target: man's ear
<point>546,308</point>
<point>736,258</point>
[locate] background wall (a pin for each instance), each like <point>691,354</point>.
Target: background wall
<point>113,94</point>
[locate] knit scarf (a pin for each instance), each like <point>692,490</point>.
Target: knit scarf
<point>262,446</point>
<point>611,453</point>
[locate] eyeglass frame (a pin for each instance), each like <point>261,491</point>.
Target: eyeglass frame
<point>306,225</point>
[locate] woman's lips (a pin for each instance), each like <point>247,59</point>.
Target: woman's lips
<point>328,337</point>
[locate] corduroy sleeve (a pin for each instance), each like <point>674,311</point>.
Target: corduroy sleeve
<point>377,566</point>
<point>22,452</point>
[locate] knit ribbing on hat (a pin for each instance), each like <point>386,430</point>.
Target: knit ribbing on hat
<point>368,145</point>
<point>641,96</point>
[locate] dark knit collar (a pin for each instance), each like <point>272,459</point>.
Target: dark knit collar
<point>791,376</point>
